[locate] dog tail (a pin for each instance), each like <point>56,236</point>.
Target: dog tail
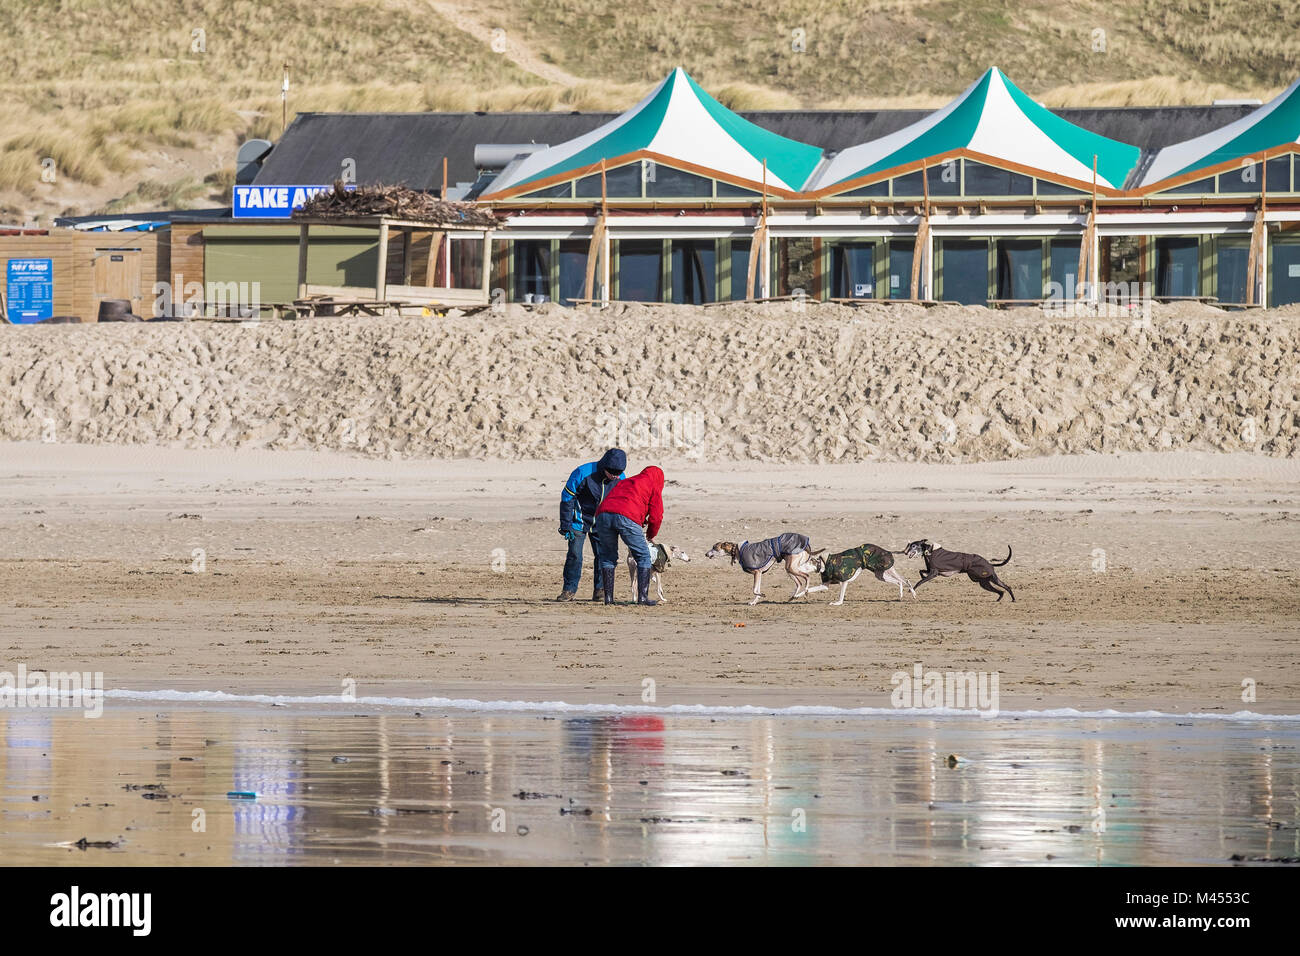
<point>998,564</point>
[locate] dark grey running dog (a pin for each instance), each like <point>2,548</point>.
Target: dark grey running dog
<point>941,563</point>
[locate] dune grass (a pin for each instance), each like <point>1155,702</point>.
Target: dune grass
<point>101,87</point>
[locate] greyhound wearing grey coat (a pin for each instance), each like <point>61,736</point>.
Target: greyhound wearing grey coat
<point>759,556</point>
<point>941,563</point>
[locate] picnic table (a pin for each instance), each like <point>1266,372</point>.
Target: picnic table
<point>328,305</point>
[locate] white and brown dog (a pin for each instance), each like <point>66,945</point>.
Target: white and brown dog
<point>661,556</point>
<point>756,557</point>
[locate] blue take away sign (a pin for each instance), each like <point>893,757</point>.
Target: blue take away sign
<point>273,202</point>
<point>29,290</point>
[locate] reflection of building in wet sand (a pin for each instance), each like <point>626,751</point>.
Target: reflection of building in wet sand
<point>25,760</point>
<point>268,829</point>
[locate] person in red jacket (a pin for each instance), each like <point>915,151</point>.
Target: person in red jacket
<point>631,505</point>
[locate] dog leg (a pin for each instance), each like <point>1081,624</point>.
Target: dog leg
<point>659,586</point>
<point>1003,584</point>
<point>631,573</point>
<point>987,585</point>
<point>895,578</point>
<point>758,587</point>
<point>843,587</point>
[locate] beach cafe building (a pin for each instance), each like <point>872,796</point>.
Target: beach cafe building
<point>992,199</point>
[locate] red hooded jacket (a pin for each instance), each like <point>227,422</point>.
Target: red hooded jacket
<point>639,498</point>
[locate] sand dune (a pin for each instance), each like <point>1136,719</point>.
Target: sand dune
<point>764,383</point>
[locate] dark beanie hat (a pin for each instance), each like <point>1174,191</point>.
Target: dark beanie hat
<point>614,460</point>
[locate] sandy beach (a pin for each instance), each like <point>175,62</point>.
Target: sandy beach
<point>319,567</point>
<point>739,383</point>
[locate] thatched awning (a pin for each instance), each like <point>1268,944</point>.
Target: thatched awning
<point>394,202</point>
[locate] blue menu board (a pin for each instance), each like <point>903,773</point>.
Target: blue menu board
<point>30,290</point>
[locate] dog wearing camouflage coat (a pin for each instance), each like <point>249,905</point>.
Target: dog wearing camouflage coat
<point>843,568</point>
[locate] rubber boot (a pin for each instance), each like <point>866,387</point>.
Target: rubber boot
<point>607,583</point>
<point>643,587</point>
<point>597,584</point>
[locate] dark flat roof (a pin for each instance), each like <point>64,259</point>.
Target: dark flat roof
<point>408,148</point>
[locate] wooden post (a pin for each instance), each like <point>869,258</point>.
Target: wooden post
<point>487,267</point>
<point>922,244</point>
<point>605,267</point>
<point>431,260</point>
<point>598,247</point>
<point>407,234</point>
<point>1087,261</point>
<point>302,260</point>
<point>594,250</point>
<point>1257,257</point>
<point>765,281</point>
<point>443,195</point>
<point>381,272</point>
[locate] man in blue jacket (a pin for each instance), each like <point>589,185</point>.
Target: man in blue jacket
<point>582,495</point>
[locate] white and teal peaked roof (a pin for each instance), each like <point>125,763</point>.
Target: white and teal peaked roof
<point>1276,123</point>
<point>679,122</point>
<point>998,120</point>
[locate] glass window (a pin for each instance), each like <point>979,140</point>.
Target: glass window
<point>727,189</point>
<point>664,182</point>
<point>532,269</point>
<point>852,270</point>
<point>623,182</point>
<point>1048,188</point>
<point>1065,267</point>
<point>1020,269</point>
<point>1200,187</point>
<point>467,263</point>
<point>562,190</point>
<point>1248,178</point>
<point>1176,266</point>
<point>900,270</point>
<point>640,270</point>
<point>796,266</point>
<point>1233,260</point>
<point>1120,260</point>
<point>982,180</point>
<point>1286,273</point>
<point>740,268</point>
<point>964,266</point>
<point>573,271</point>
<point>695,273</point>
<point>944,180</point>
<point>872,189</point>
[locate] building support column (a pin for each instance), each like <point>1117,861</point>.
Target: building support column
<point>381,271</point>
<point>302,260</point>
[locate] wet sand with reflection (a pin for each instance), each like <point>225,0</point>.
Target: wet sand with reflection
<point>365,785</point>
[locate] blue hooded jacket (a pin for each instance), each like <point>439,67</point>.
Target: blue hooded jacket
<point>586,488</point>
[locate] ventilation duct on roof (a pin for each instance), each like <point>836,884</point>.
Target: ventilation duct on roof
<point>499,155</point>
<point>248,161</point>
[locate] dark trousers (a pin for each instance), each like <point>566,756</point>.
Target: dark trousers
<point>573,561</point>
<point>609,528</point>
